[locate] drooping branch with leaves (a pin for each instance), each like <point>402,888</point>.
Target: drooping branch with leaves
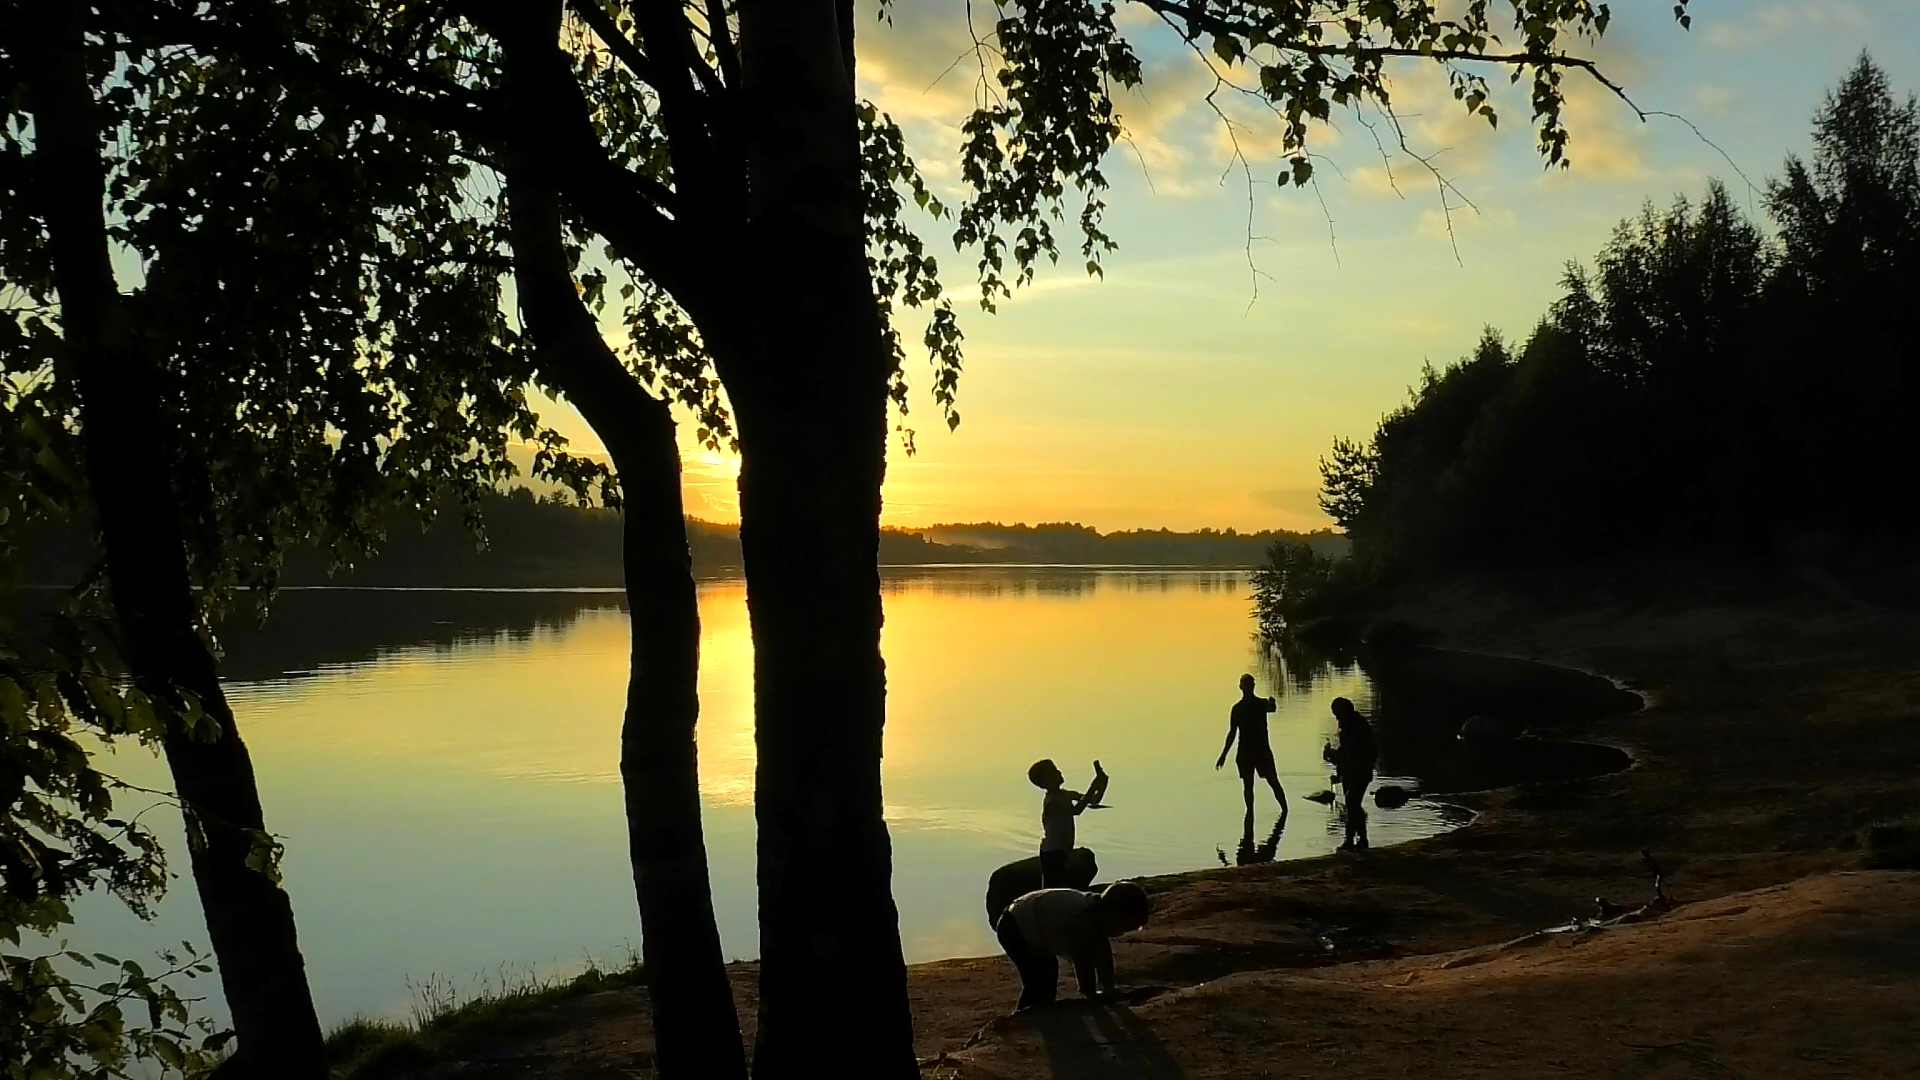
<point>66,1013</point>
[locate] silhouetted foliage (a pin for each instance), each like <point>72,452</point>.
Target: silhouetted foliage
<point>1700,385</point>
<point>65,1013</point>
<point>1285,588</point>
<point>1842,345</point>
<point>1382,492</point>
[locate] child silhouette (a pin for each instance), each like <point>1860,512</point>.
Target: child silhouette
<point>1062,805</point>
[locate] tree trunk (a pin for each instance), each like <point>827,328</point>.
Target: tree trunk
<point>696,1030</point>
<point>249,918</point>
<point>805,365</point>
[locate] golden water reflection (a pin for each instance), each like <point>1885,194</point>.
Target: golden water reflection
<point>450,798</point>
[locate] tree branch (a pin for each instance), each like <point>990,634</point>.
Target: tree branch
<point>694,116</point>
<point>722,39</point>
<point>1219,24</point>
<point>618,43</point>
<point>552,141</point>
<point>567,342</point>
<point>667,31</point>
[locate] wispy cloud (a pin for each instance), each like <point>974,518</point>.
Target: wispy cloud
<point>1757,23</point>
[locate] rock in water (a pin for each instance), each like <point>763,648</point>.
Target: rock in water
<point>1324,798</point>
<point>1391,797</point>
<point>1018,878</point>
<point>1490,729</point>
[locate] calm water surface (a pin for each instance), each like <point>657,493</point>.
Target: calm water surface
<point>443,765</point>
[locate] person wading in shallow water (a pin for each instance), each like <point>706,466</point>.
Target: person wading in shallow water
<point>1255,756</point>
<point>1353,759</point>
<point>1062,805</point>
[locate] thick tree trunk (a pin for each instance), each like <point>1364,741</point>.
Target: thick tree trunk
<point>696,1030</point>
<point>805,365</point>
<point>785,305</point>
<point>249,918</point>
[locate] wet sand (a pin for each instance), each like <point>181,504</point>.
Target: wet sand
<point>1783,718</point>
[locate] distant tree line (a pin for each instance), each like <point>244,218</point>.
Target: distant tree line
<point>527,541</point>
<point>1706,383</point>
<point>1075,544</point>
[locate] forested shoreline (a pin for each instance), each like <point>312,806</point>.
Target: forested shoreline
<point>529,542</point>
<point>1710,382</point>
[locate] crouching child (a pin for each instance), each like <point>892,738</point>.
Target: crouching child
<point>1043,926</point>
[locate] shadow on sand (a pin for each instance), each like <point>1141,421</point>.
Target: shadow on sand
<point>1096,1040</point>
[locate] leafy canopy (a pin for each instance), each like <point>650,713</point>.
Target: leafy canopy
<point>1052,119</point>
<point>642,116</point>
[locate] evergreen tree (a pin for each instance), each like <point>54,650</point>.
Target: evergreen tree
<point>1685,390</point>
<point>1842,362</point>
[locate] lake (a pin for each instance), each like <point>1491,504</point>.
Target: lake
<point>443,765</point>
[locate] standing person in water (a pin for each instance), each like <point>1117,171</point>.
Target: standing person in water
<point>1056,816</point>
<point>1354,760</point>
<point>1255,757</point>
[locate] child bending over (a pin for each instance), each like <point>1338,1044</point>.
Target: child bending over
<point>1044,926</point>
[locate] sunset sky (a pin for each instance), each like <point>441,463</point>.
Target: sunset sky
<point>1184,390</point>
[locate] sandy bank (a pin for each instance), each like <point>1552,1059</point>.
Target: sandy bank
<point>1809,979</point>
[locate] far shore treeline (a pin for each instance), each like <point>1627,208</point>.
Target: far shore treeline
<point>549,542</point>
<point>1711,383</point>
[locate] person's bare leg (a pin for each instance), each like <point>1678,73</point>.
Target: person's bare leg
<point>1279,795</point>
<point>1246,784</point>
<point>1356,807</point>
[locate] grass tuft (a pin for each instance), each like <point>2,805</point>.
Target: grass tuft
<point>1893,845</point>
<point>363,1048</point>
<point>448,1027</point>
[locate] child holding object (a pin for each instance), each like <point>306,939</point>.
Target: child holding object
<point>1042,927</point>
<point>1057,813</point>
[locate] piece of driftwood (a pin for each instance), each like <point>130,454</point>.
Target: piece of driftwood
<point>1606,916</point>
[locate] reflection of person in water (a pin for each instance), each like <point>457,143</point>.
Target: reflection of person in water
<point>1251,854</point>
<point>1062,805</point>
<point>1248,722</point>
<point>1354,760</point>
<point>1043,926</point>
